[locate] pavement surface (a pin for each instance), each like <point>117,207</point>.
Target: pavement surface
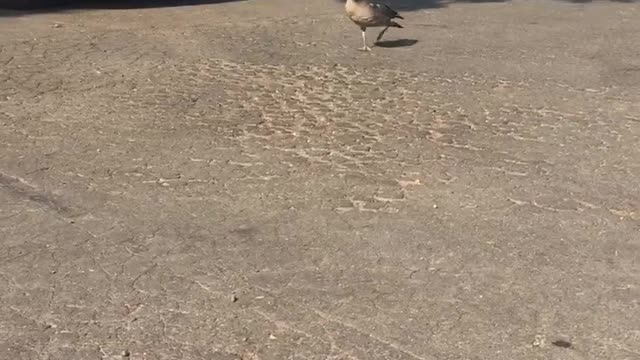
<point>234,180</point>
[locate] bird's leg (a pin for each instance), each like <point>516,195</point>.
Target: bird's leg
<point>381,33</point>
<point>364,40</point>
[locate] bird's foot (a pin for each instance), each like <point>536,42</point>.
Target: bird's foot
<point>365,48</point>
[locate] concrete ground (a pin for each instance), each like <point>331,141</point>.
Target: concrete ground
<point>234,180</point>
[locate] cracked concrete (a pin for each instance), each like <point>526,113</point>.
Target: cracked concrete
<point>187,183</point>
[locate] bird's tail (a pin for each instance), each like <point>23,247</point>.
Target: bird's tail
<point>395,24</point>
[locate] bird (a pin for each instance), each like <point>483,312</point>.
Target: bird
<point>365,14</point>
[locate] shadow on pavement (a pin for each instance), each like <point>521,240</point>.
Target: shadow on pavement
<point>10,8</point>
<point>590,1</point>
<point>25,7</point>
<point>396,43</point>
<point>410,5</point>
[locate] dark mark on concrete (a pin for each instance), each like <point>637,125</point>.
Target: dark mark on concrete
<point>22,189</point>
<point>562,344</point>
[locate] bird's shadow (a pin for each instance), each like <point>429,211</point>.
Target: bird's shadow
<point>396,43</point>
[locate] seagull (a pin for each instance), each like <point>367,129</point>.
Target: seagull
<point>371,14</point>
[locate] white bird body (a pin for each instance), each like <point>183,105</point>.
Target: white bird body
<point>367,14</point>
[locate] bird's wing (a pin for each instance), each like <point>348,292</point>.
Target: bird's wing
<point>384,9</point>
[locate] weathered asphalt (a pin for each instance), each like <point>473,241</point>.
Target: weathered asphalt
<point>235,181</point>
